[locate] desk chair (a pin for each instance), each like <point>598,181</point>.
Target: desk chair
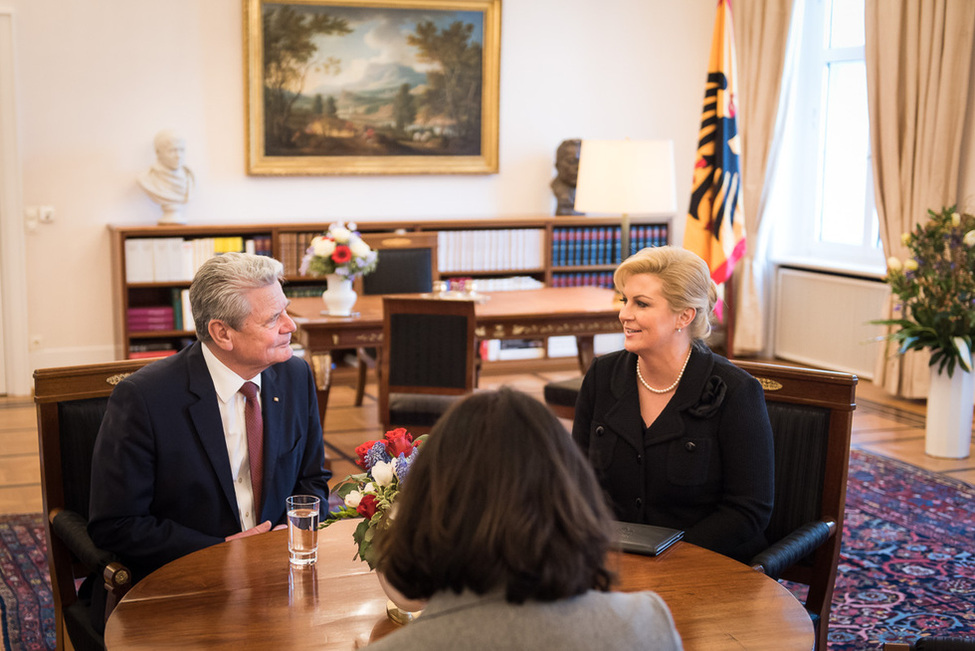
<point>71,402</point>
<point>428,359</point>
<point>407,265</point>
<point>811,412</point>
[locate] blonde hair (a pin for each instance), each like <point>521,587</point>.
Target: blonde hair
<point>685,278</point>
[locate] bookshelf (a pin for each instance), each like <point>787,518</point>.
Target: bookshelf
<point>152,266</point>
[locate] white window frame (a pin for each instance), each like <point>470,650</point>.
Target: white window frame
<point>795,199</point>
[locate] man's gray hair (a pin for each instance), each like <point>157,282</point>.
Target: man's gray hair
<point>219,287</point>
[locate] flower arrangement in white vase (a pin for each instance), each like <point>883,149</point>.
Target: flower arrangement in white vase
<point>341,255</point>
<point>935,295</point>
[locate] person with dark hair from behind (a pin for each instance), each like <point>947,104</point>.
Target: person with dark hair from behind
<point>678,436</point>
<point>501,528</point>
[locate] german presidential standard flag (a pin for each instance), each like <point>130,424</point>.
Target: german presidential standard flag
<point>715,227</point>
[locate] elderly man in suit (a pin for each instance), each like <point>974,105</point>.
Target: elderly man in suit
<point>175,466</point>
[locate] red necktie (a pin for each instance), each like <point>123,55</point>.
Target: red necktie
<point>254,423</point>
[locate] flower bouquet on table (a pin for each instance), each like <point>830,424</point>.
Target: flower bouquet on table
<point>371,495</point>
<point>935,287</point>
<point>340,251</point>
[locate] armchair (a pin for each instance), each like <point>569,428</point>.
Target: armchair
<point>71,403</point>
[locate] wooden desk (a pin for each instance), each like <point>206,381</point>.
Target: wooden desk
<point>547,312</point>
<point>244,595</point>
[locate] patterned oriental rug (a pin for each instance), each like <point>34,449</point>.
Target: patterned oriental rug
<point>907,566</point>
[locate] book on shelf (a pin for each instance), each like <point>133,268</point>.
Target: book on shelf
<point>149,354</point>
<point>175,259</point>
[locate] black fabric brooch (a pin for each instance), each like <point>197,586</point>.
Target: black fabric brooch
<point>711,398</point>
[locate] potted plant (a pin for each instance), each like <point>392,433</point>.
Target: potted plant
<point>934,288</point>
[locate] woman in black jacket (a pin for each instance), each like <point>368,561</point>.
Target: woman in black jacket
<point>678,436</point>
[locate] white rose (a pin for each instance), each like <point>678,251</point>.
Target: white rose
<point>905,238</point>
<point>322,246</point>
<point>955,219</point>
<point>910,264</point>
<point>352,499</point>
<point>340,233</point>
<point>359,248</point>
<point>369,488</point>
<point>969,238</point>
<point>382,472</point>
<point>894,264</point>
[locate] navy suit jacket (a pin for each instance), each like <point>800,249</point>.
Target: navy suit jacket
<point>161,480</point>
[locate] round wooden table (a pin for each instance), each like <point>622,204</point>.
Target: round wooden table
<point>244,594</point>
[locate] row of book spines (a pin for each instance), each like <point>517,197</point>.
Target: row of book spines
<point>158,348</point>
<point>584,279</point>
<point>490,249</point>
<point>586,245</point>
<point>601,244</point>
<point>643,236</point>
<point>153,318</point>
<point>293,247</point>
<point>175,259</point>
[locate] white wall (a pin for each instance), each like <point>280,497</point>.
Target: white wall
<point>97,79</point>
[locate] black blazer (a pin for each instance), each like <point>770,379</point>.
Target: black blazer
<point>161,481</point>
<point>705,465</point>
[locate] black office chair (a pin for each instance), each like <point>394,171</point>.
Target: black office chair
<point>811,412</point>
<point>428,359</point>
<point>71,403</point>
<point>407,265</point>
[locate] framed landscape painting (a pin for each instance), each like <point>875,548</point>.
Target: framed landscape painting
<point>372,87</point>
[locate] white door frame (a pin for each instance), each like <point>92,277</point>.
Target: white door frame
<point>14,360</point>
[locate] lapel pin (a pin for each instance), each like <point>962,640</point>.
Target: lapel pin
<point>275,398</point>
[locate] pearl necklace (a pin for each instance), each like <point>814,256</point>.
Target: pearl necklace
<point>673,386</point>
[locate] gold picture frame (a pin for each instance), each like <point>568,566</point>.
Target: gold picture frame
<point>362,87</point>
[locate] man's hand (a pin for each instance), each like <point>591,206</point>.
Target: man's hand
<point>264,527</point>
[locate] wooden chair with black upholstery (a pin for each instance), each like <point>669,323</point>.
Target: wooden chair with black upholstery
<point>407,265</point>
<point>71,403</point>
<point>811,412</point>
<point>427,359</point>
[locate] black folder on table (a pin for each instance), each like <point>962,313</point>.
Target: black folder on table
<point>645,539</point>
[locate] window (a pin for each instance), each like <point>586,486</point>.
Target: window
<point>825,184</point>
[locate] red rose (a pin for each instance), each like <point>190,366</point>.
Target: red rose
<point>341,254</point>
<point>367,506</point>
<point>361,451</point>
<point>399,441</point>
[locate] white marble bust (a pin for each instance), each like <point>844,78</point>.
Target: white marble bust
<point>169,182</point>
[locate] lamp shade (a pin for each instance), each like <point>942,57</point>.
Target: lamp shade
<point>627,177</point>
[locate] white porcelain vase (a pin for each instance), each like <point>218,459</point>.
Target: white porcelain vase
<point>948,428</point>
<point>339,297</point>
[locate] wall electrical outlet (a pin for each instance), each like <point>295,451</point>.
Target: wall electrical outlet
<point>45,214</point>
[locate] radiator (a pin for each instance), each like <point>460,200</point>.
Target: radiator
<point>822,320</point>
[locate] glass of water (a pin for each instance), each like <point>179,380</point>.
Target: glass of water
<point>303,513</point>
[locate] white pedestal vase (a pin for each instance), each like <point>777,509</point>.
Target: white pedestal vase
<point>339,297</point>
<point>948,430</point>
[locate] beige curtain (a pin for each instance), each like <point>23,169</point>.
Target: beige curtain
<point>761,33</point>
<point>919,71</point>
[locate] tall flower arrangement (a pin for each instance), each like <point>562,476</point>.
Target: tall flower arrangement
<point>935,288</point>
<point>341,251</point>
<point>371,495</point>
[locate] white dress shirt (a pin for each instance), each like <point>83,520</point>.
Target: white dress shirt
<point>231,404</point>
